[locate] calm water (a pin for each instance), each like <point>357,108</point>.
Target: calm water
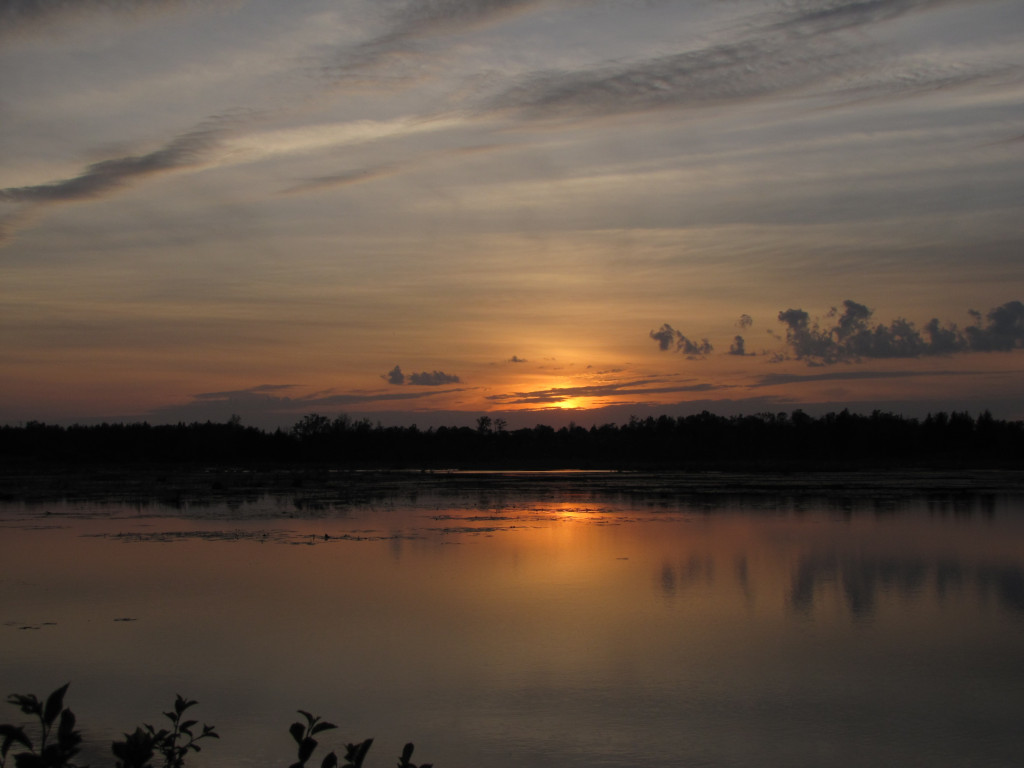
<point>542,628</point>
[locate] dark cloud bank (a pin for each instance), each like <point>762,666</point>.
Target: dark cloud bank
<point>852,335</point>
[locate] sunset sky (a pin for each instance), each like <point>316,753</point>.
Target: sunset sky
<point>425,211</point>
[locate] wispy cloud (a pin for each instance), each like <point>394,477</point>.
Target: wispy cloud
<point>815,17</point>
<point>29,16</point>
<point>721,73</point>
<point>556,395</point>
<point>271,399</point>
<point>788,48</point>
<point>782,379</point>
<point>108,176</point>
<point>346,178</point>
<point>416,20</point>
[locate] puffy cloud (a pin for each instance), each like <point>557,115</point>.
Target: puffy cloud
<point>1004,330</point>
<point>421,379</point>
<point>666,336</point>
<point>517,359</point>
<point>432,378</point>
<point>853,337</point>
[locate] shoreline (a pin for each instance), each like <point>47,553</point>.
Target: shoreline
<point>175,484</point>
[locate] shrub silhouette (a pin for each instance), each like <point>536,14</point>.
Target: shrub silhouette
<point>139,748</point>
<point>47,753</point>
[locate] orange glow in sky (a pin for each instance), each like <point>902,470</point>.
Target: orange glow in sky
<point>422,214</point>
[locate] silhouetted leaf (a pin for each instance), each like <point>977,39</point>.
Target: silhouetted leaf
<point>181,703</point>
<point>331,761</point>
<point>325,726</point>
<point>28,703</point>
<point>28,760</point>
<point>297,732</point>
<point>10,735</point>
<point>67,737</point>
<point>356,753</point>
<point>406,756</point>
<point>54,704</point>
<point>306,749</point>
<point>67,724</point>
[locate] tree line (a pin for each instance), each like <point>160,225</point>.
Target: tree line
<point>704,440</point>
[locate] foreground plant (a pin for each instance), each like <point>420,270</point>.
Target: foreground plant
<point>48,752</point>
<point>139,748</point>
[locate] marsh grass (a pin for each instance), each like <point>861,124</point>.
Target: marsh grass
<point>51,739</point>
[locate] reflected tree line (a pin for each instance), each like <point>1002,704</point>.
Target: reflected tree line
<point>760,441</point>
<point>861,581</point>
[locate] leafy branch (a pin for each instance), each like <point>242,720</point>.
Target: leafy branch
<point>139,748</point>
<point>47,753</point>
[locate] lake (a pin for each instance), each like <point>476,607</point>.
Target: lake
<point>536,619</point>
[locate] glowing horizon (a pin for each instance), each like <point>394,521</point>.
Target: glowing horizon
<point>538,209</point>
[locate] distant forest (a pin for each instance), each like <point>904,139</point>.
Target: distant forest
<point>765,441</point>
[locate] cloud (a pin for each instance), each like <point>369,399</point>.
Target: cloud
<point>666,336</point>
<point>516,359</point>
<point>738,346</point>
<point>1004,331</point>
<point>106,175</point>
<point>421,379</point>
<point>777,379</point>
<point>355,176</point>
<point>268,402</point>
<point>555,395</point>
<point>815,17</point>
<point>258,392</point>
<point>28,16</point>
<point>415,20</point>
<point>432,16</point>
<point>745,321</point>
<point>721,73</point>
<point>852,336</point>
<point>432,378</point>
<point>791,48</point>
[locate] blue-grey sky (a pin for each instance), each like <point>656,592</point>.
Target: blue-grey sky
<point>428,210</point>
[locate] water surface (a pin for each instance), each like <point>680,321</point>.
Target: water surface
<point>548,627</point>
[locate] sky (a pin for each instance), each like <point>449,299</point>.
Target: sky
<point>540,210</point>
